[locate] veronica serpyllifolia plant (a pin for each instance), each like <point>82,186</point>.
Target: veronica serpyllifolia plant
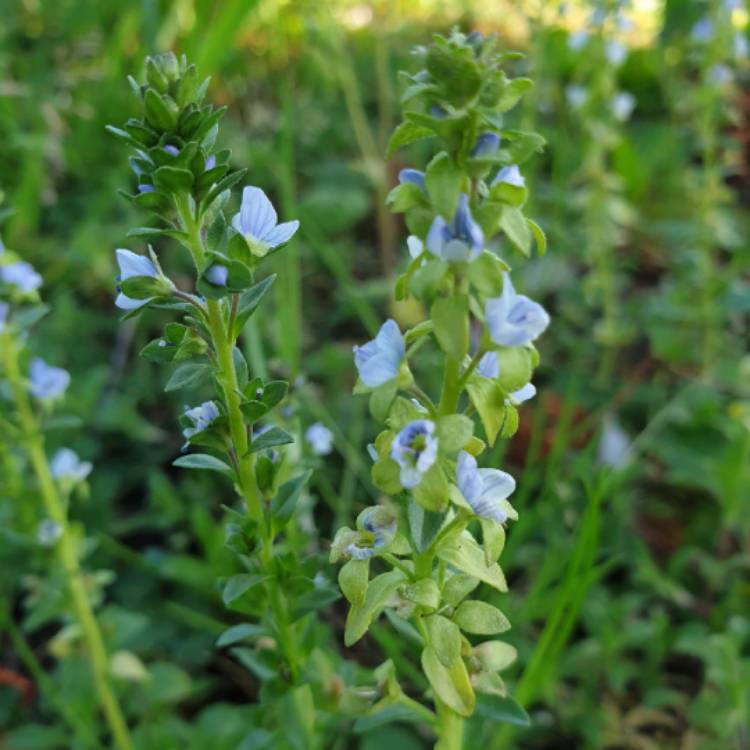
<point>30,390</point>
<point>186,180</point>
<point>422,554</point>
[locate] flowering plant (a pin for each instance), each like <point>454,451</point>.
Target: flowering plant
<point>30,390</point>
<point>186,180</point>
<point>422,546</point>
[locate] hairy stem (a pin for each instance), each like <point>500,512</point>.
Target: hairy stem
<point>54,506</point>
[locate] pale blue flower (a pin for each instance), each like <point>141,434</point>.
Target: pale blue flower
<point>720,75</point>
<point>132,265</point>
<point>48,532</point>
<point>576,95</point>
<point>578,40</point>
<point>47,382</point>
<point>415,245</point>
<point>379,360</point>
<point>510,175</point>
<point>486,145</point>
<point>319,438</point>
<point>489,366</point>
<point>415,450</point>
<point>172,150</point>
<point>4,310</point>
<point>218,274</point>
<point>145,188</point>
<point>524,393</point>
<point>615,52</point>
<point>201,416</point>
<point>461,240</point>
<point>514,319</point>
<point>702,31</point>
<point>623,104</point>
<point>614,444</point>
<point>66,465</point>
<point>740,46</point>
<point>414,176</point>
<point>485,490</point>
<point>377,529</point>
<point>210,162</point>
<point>257,221</point>
<point>21,275</point>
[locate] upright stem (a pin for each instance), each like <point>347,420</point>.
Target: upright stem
<point>450,727</point>
<point>222,339</point>
<point>451,387</point>
<point>66,546</point>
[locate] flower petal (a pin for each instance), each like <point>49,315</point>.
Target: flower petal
<point>257,214</point>
<point>131,264</point>
<point>281,233</point>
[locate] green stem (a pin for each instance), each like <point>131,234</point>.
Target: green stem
<point>451,387</point>
<point>222,340</point>
<point>66,547</point>
<point>450,728</point>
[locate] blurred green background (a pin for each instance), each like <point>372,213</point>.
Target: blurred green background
<point>629,566</point>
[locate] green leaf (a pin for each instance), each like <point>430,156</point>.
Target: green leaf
<point>271,438</point>
<point>406,133</point>
<point>512,92</point>
<point>188,376</point>
<point>353,579</point>
<point>505,709</point>
<point>253,410</point>
<point>386,476</point>
<point>495,656</point>
<point>465,554</point>
<point>224,184</point>
<point>443,181</point>
<point>173,179</point>
<point>513,223</point>
<point>202,461</point>
<point>488,399</point>
<point>493,539</point>
<point>480,618</point>
<point>405,196</point>
<point>522,144</point>
<point>486,274</point>
<point>298,725</point>
<point>539,237</point>
<point>423,525</point>
<point>427,278</point>
<point>432,492</point>
<point>283,505</point>
<point>445,638</point>
<point>454,431</point>
<point>450,316</point>
<point>424,592</point>
<point>273,392</point>
<point>451,685</point>
<point>240,584</point>
<point>515,367</point>
<point>510,423</point>
<point>249,301</point>
<point>161,112</point>
<point>238,633</point>
<point>458,587</point>
<point>378,592</point>
<point>455,71</point>
<point>382,398</point>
